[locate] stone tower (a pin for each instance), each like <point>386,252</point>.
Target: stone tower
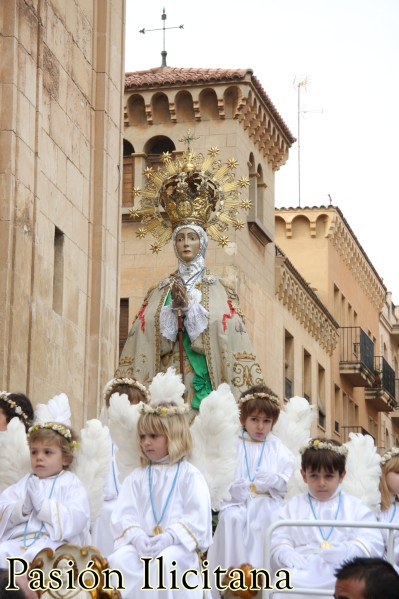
<point>61,89</point>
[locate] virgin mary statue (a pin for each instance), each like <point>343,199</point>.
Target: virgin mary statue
<point>191,320</point>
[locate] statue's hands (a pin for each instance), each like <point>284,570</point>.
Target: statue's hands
<point>179,296</point>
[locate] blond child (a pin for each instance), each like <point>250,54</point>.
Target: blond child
<point>313,553</point>
<point>389,487</point>
<point>264,465</point>
<point>101,534</point>
<point>163,508</point>
<point>49,506</point>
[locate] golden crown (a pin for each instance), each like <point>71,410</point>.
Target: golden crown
<point>191,190</point>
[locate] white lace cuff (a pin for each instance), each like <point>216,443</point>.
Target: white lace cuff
<point>196,321</point>
<point>168,323</point>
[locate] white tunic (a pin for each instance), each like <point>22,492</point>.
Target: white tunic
<point>101,533</point>
<point>66,516</point>
<point>239,536</point>
<point>187,516</point>
<point>364,542</point>
<point>391,515</point>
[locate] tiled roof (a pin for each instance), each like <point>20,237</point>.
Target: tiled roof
<point>174,76</point>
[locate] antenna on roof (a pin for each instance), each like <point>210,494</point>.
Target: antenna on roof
<point>298,83</point>
<point>163,53</point>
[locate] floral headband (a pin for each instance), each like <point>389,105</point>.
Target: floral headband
<point>163,410</point>
<point>13,405</point>
<point>61,429</point>
<point>258,395</point>
<point>392,453</point>
<point>114,383</point>
<point>317,444</point>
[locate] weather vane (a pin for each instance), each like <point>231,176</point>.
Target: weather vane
<point>300,82</point>
<point>163,28</point>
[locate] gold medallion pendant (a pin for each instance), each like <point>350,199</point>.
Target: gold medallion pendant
<point>157,530</point>
<point>252,488</point>
<point>325,545</point>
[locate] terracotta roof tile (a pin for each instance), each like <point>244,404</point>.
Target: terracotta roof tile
<point>175,76</point>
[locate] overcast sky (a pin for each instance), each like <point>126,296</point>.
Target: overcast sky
<point>349,121</point>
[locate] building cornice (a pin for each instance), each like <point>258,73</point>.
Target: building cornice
<point>254,110</point>
<point>345,242</point>
<point>301,301</point>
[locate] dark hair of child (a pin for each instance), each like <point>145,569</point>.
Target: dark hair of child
<point>134,394</point>
<point>259,405</point>
<point>23,402</point>
<point>314,459</point>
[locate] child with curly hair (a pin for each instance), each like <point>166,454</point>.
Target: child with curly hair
<point>49,506</point>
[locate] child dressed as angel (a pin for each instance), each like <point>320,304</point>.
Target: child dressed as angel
<point>133,393</point>
<point>49,506</point>
<point>264,465</point>
<point>163,508</point>
<point>312,554</point>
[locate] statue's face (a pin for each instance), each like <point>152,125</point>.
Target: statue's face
<point>187,244</point>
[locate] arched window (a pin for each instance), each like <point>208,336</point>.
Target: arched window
<point>128,174</point>
<point>155,147</point>
<point>136,110</point>
<point>231,97</point>
<point>184,107</point>
<point>160,109</point>
<point>209,105</point>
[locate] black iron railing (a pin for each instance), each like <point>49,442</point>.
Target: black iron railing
<point>384,376</point>
<point>357,347</point>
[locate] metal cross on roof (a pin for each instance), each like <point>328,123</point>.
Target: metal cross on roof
<point>188,138</point>
<point>163,53</point>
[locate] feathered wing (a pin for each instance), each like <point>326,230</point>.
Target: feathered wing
<point>92,462</point>
<point>167,387</point>
<point>294,423</point>
<point>57,409</point>
<point>363,470</point>
<point>14,454</point>
<point>293,429</point>
<point>123,417</point>
<point>214,432</point>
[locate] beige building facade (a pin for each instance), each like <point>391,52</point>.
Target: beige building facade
<point>362,390</point>
<point>61,89</point>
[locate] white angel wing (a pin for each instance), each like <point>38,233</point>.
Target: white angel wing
<point>214,432</point>
<point>294,423</point>
<point>363,470</point>
<point>293,429</point>
<point>92,462</point>
<point>123,417</point>
<point>14,454</point>
<point>295,484</point>
<point>56,410</point>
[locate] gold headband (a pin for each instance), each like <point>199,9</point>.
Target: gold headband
<point>163,410</point>
<point>259,395</point>
<point>318,444</point>
<point>13,405</point>
<point>61,429</point>
<point>113,383</point>
<point>392,453</point>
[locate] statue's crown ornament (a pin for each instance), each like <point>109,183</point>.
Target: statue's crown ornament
<point>190,190</point>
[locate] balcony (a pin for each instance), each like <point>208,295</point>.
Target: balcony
<point>356,357</point>
<point>383,394</point>
<point>395,413</point>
